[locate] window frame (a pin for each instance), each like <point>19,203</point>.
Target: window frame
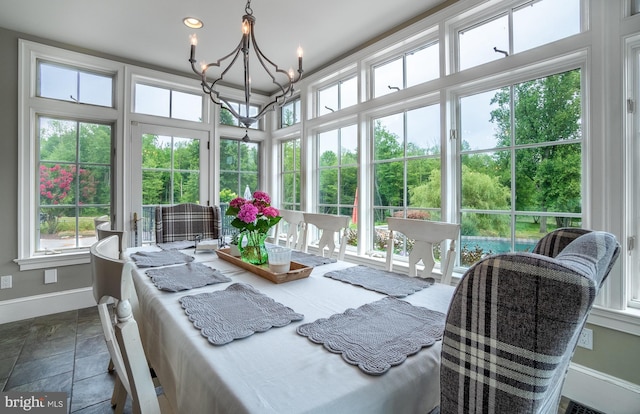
<point>171,88</point>
<point>297,169</point>
<point>632,132</point>
<point>30,106</point>
<point>338,84</point>
<point>295,102</point>
<point>423,44</point>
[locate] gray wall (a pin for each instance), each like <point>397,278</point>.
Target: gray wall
<point>615,353</point>
<point>31,282</point>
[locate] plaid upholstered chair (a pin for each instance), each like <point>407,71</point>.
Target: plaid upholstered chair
<point>514,322</point>
<point>186,221</point>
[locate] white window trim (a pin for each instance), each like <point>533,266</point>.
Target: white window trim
<point>29,106</point>
<point>632,132</point>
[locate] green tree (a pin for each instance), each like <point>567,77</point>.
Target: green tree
<point>479,191</point>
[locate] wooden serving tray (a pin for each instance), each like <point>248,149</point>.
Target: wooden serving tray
<point>296,270</point>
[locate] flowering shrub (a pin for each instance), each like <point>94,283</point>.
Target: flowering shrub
<point>253,215</point>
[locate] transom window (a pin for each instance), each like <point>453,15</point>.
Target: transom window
<point>338,96</point>
<point>71,84</point>
<point>412,68</point>
<point>226,118</point>
<point>168,103</point>
<point>534,24</point>
<point>290,113</point>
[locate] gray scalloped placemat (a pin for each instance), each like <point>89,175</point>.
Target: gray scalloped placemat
<point>378,335</point>
<point>237,312</point>
<point>185,277</point>
<point>163,258</point>
<point>389,283</point>
<point>308,259</point>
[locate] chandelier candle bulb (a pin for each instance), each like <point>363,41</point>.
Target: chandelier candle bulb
<point>194,41</point>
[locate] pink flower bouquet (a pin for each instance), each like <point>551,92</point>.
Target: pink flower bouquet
<point>253,215</point>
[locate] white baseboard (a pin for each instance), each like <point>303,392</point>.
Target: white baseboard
<point>40,305</point>
<point>600,391</point>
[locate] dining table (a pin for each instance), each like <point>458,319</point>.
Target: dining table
<point>278,370</point>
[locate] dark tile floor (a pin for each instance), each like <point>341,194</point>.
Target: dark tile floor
<point>63,352</point>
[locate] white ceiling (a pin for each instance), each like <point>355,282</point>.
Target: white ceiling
<point>151,31</point>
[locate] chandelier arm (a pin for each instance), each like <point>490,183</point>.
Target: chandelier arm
<point>262,58</point>
<point>218,62</point>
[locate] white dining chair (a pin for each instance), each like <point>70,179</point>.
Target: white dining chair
<point>425,234</point>
<point>112,283</point>
<point>295,232</point>
<point>332,228</point>
<point>97,221</point>
<point>103,230</point>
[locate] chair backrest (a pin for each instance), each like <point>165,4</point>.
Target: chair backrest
<point>332,227</point>
<point>112,282</point>
<point>295,232</point>
<point>186,221</point>
<point>513,325</point>
<point>103,231</point>
<point>100,220</point>
<point>425,234</point>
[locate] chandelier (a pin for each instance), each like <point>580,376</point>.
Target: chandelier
<point>282,79</point>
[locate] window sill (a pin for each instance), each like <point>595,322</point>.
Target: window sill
<point>627,320</point>
<point>53,260</point>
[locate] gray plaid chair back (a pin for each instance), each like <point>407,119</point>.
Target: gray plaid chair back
<point>186,221</point>
<point>514,322</point>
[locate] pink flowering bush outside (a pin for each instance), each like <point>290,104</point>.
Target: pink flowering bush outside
<point>255,215</point>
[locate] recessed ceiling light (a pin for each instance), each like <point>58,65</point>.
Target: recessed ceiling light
<point>192,22</point>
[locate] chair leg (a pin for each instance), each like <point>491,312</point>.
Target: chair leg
<point>119,396</point>
<point>110,368</point>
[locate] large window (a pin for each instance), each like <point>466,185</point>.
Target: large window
<point>290,174</point>
<point>239,173</point>
<point>338,170</point>
<point>521,164</point>
<point>406,168</point>
<point>68,129</point>
<point>74,182</point>
<point>239,168</point>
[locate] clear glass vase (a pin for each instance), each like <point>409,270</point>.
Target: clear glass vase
<point>251,245</point>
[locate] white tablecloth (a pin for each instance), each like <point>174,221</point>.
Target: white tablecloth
<point>279,371</point>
